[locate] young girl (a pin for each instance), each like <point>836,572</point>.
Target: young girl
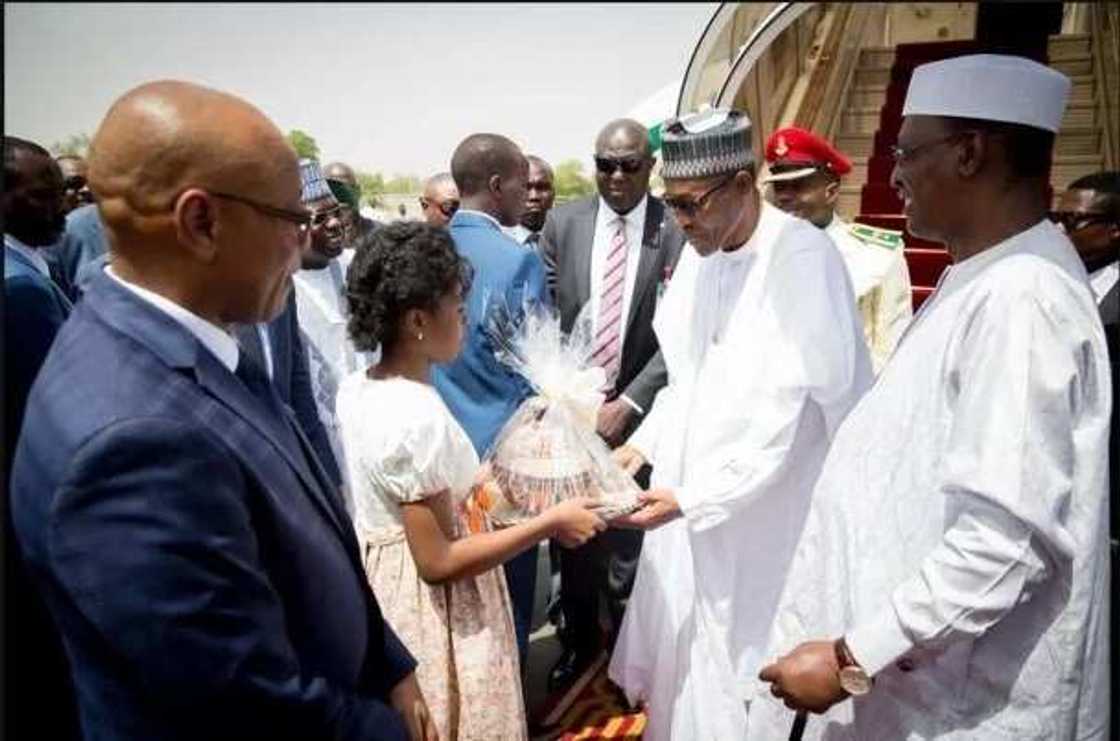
<point>411,465</point>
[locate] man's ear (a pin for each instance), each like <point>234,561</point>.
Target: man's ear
<point>197,226</point>
<point>744,180</point>
<point>494,185</point>
<point>973,153</point>
<point>831,192</point>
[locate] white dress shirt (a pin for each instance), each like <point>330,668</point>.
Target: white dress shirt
<point>213,338</point>
<point>606,225</point>
<point>34,256</point>
<point>1102,280</point>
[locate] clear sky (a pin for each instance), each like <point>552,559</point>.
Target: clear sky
<point>385,87</point>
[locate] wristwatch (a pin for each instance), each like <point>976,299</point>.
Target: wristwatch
<point>853,679</point>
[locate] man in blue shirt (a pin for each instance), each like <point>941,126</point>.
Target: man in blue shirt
<point>491,174</point>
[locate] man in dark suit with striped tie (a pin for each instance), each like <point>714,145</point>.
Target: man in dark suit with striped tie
<point>35,307</point>
<point>614,253</point>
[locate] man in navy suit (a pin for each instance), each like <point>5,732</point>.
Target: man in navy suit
<point>34,309</point>
<point>491,173</point>
<point>204,577</point>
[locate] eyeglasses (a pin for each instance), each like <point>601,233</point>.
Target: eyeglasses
<point>74,182</point>
<point>628,165</point>
<point>319,218</point>
<point>302,219</point>
<point>1072,221</point>
<point>905,153</point>
<point>688,207</point>
<point>447,208</point>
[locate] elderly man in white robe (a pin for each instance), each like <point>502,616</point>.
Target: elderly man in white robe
<point>953,573</point>
<point>765,356</point>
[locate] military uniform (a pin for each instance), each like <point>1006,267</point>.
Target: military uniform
<point>880,280</point>
<point>874,256</point>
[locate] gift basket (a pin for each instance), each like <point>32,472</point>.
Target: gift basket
<point>549,450</point>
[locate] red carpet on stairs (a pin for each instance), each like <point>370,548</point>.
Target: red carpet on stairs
<point>879,203</point>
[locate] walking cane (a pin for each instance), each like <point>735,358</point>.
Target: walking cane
<point>798,729</point>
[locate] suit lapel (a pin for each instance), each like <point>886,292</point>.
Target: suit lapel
<point>648,262</point>
<point>583,239</point>
<point>179,349</point>
<point>60,297</point>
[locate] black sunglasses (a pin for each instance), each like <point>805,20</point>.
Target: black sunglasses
<point>628,165</point>
<point>688,207</point>
<point>447,208</point>
<point>1075,222</point>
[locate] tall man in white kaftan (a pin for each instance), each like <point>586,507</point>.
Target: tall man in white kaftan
<point>957,547</point>
<point>765,356</point>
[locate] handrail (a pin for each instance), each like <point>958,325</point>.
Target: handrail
<point>700,54</point>
<point>1104,39</point>
<point>779,19</point>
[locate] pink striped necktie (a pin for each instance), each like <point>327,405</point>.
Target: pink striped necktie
<point>608,330</point>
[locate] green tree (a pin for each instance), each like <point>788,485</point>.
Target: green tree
<point>75,144</point>
<point>372,185</point>
<point>570,182</point>
<point>403,184</point>
<point>304,144</point>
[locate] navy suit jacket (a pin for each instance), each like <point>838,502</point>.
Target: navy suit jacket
<point>205,579</point>
<point>481,393</point>
<point>34,309</point>
<point>292,379</point>
<point>83,250</point>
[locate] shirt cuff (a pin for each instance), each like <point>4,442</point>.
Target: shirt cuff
<point>633,404</point>
<point>700,516</point>
<point>878,642</point>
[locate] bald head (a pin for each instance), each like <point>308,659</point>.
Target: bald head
<point>341,171</point>
<point>440,199</point>
<point>490,172</point>
<point>624,132</point>
<point>479,158</point>
<point>162,137</point>
<point>189,182</point>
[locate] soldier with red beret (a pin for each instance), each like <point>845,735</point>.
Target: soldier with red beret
<point>805,173</point>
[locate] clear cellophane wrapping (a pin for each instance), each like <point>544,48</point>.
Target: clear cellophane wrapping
<point>548,451</point>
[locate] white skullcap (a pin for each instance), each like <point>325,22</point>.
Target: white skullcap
<point>989,87</point>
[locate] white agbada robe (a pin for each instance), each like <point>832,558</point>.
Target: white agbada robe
<point>960,522</point>
<point>765,355</point>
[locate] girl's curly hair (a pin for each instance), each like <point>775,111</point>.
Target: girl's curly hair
<point>401,266</point>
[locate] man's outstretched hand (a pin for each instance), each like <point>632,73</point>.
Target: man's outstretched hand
<point>658,507</point>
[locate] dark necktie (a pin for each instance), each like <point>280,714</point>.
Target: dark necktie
<point>254,378</point>
<point>532,240</point>
<point>249,338</point>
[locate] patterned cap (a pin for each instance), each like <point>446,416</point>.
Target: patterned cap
<point>700,145</point>
<point>314,184</point>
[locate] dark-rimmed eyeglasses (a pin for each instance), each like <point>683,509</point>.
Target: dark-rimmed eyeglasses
<point>447,208</point>
<point>687,206</point>
<point>901,154</point>
<point>320,218</point>
<point>1072,221</point>
<point>302,219</point>
<point>628,165</point>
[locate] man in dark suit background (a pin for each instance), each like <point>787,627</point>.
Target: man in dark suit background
<point>614,251</point>
<point>1089,211</point>
<point>35,308</point>
<point>188,543</point>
